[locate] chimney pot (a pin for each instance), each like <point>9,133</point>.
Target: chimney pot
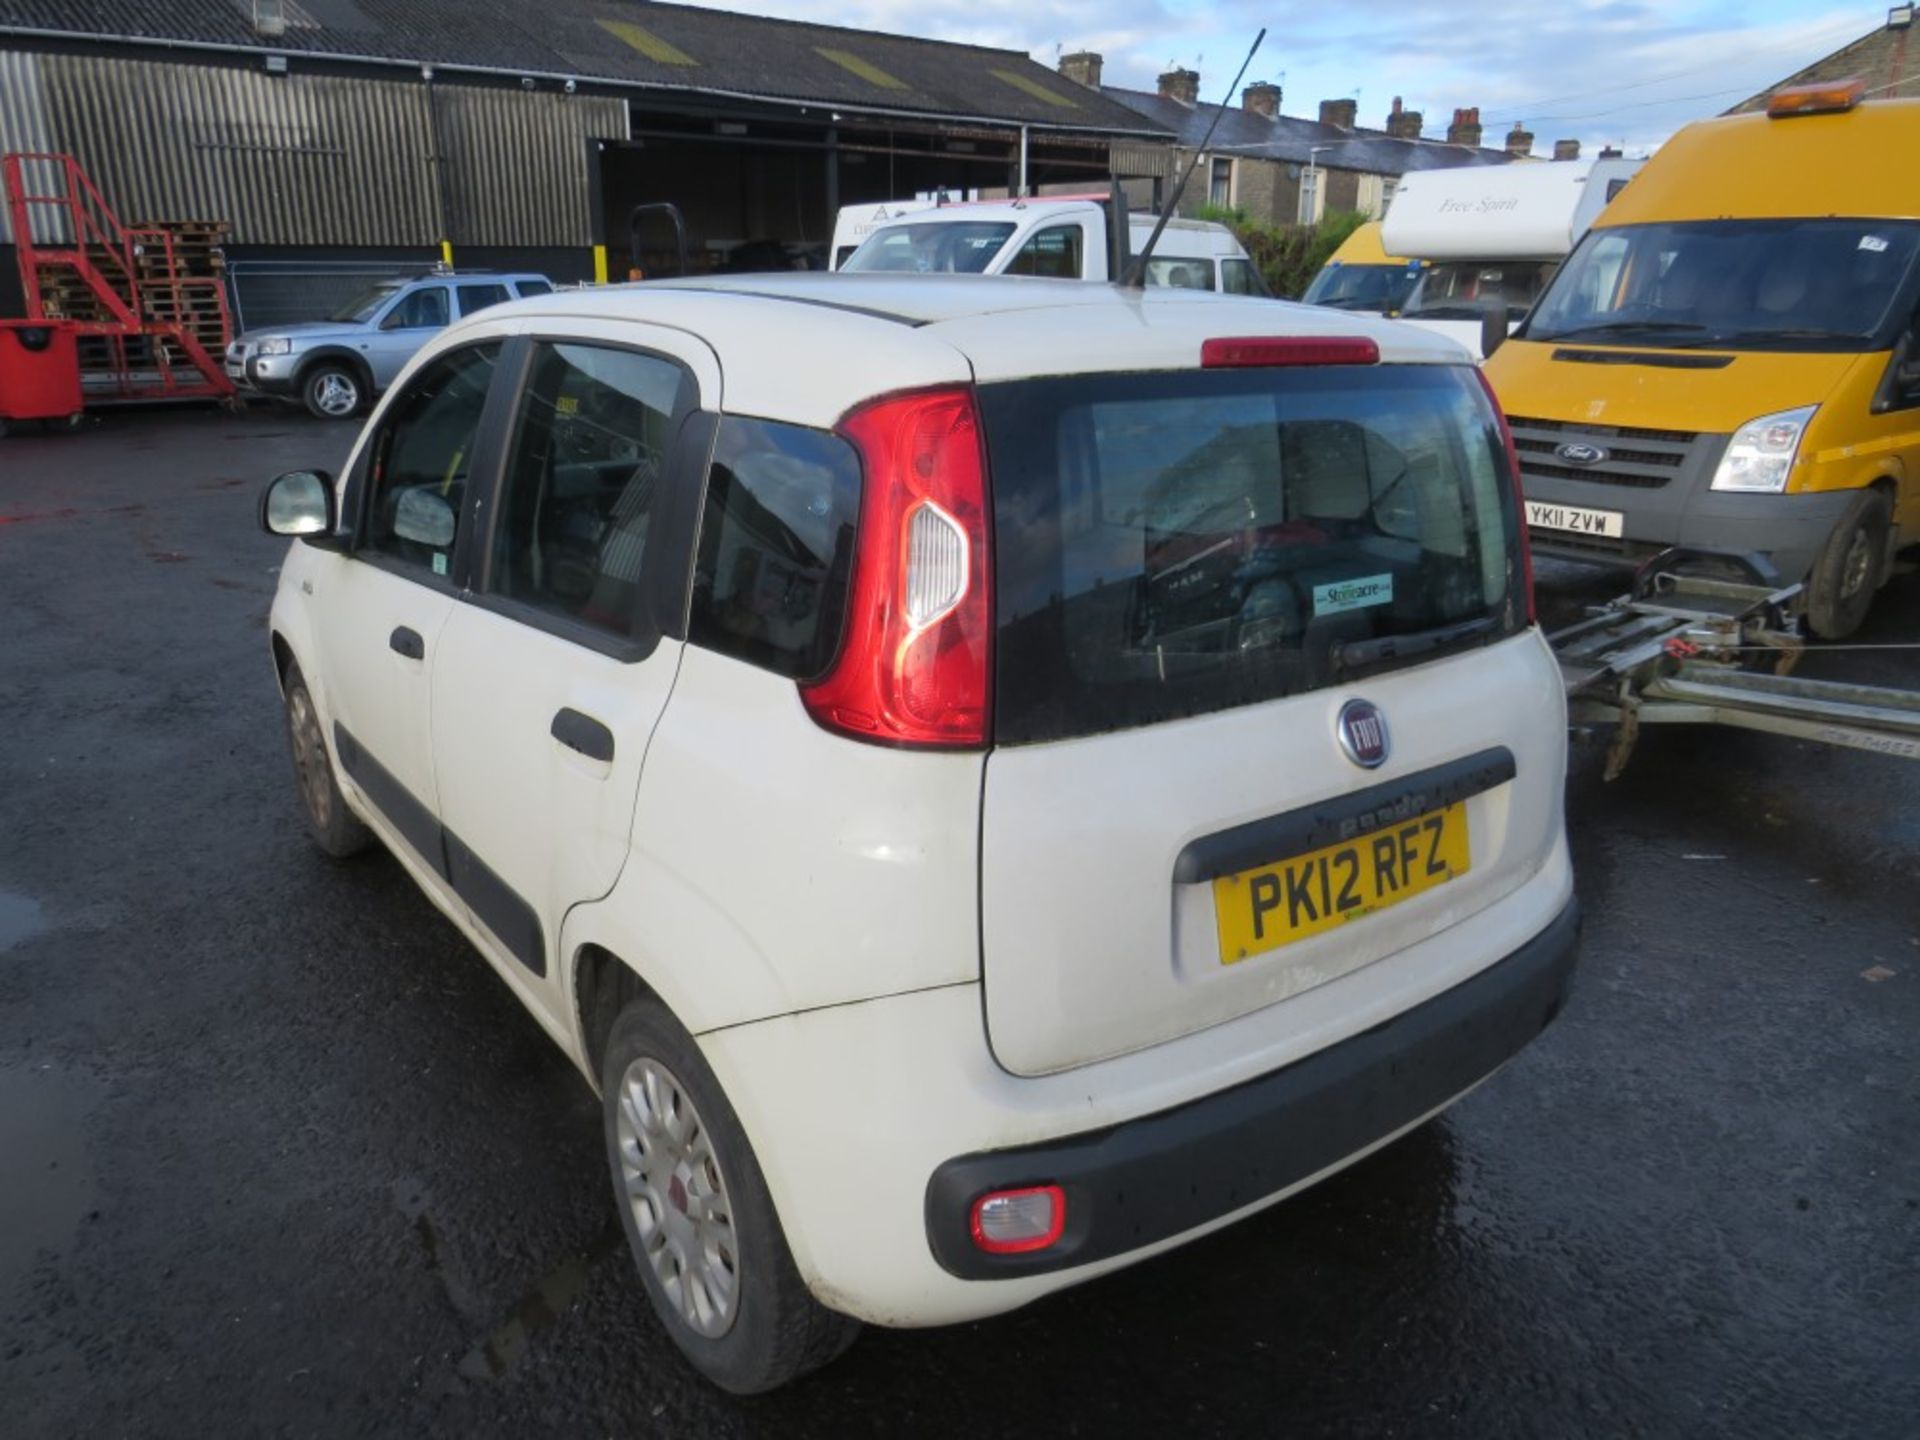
<point>1181,85</point>
<point>1519,142</point>
<point>1566,149</point>
<point>1082,67</point>
<point>1465,129</point>
<point>1339,113</point>
<point>1261,99</point>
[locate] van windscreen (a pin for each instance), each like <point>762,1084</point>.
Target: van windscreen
<point>1171,544</point>
<point>1734,284</point>
<point>940,247</point>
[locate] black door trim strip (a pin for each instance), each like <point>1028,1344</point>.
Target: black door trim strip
<point>494,903</point>
<point>1344,817</point>
<point>413,820</point>
<point>497,905</point>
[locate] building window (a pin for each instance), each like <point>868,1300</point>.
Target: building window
<point>1220,190</point>
<point>1310,181</point>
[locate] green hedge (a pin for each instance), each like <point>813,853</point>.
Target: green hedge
<point>1289,256</point>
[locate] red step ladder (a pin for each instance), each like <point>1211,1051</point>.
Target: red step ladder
<point>126,287</point>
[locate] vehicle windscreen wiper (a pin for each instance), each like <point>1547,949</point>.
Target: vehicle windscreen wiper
<point>1355,654</point>
<point>1617,327</point>
<point>1733,339</point>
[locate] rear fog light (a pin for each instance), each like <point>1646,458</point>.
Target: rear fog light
<point>1014,1222</point>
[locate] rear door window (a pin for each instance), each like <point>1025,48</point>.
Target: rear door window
<point>1173,544</point>
<point>534,287</point>
<point>776,546</point>
<point>474,298</point>
<point>594,429</point>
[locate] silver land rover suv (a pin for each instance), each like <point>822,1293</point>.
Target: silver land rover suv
<point>335,366</point>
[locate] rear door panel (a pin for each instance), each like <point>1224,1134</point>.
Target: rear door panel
<point>1092,947</point>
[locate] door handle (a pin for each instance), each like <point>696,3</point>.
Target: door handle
<point>583,733</point>
<point>408,643</point>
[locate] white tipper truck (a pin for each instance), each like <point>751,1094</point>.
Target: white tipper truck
<point>1064,237</point>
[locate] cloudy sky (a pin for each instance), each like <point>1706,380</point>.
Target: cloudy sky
<point>1616,71</point>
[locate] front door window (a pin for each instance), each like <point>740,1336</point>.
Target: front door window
<point>420,461</point>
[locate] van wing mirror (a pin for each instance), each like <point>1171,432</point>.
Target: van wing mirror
<point>1495,319</point>
<point>1900,386</point>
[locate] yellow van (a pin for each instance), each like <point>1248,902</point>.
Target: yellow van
<point>1728,360</point>
<point>1360,275</point>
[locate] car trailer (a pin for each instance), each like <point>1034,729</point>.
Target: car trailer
<point>1686,647</point>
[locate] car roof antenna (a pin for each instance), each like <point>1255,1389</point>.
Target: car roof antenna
<point>1136,276</point>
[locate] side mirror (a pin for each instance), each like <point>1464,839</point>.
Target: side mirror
<point>424,518</point>
<point>1900,384</point>
<point>298,503</point>
<point>1494,321</point>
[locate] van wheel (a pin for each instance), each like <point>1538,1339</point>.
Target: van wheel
<point>698,1216</point>
<point>332,391</point>
<point>335,829</point>
<point>1850,567</point>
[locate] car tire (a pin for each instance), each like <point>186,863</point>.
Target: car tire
<point>332,391</point>
<point>335,828</point>
<point>698,1215</point>
<point>1849,568</point>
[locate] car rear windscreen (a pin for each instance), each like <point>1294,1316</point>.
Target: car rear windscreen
<point>1171,544</point>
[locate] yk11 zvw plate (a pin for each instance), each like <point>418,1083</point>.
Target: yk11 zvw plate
<point>1544,514</point>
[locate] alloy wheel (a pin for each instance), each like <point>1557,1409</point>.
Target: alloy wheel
<point>678,1195</point>
<point>337,395</point>
<point>310,758</point>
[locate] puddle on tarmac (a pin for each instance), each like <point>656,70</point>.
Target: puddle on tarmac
<point>47,1186</point>
<point>20,919</point>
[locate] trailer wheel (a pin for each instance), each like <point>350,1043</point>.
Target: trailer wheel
<point>1850,567</point>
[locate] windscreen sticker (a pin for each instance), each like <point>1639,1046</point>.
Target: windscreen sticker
<point>1875,243</point>
<point>1352,594</point>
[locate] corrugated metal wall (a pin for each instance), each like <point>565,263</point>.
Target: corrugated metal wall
<point>313,159</point>
<point>23,128</point>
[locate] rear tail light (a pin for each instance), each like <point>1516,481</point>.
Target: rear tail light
<point>914,668</point>
<point>1519,496</point>
<point>1014,1222</point>
<point>1249,352</point>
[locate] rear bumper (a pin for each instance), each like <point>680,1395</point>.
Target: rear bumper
<point>853,1109</point>
<point>1143,1181</point>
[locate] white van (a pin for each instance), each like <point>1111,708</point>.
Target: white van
<point>1492,236</point>
<point>1063,238</point>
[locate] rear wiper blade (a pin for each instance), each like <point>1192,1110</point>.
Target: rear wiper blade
<point>1354,654</point>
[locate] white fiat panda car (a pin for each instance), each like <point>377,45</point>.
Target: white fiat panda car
<point>989,779</point>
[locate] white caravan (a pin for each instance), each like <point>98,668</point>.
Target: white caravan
<point>1492,236</point>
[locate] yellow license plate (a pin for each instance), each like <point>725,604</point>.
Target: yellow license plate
<point>1263,909</point>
